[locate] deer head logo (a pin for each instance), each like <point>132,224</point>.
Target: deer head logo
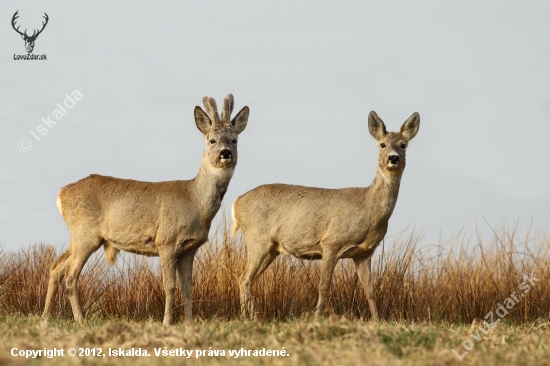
<point>29,40</point>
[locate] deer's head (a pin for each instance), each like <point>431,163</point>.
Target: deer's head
<point>392,145</point>
<point>29,40</point>
<point>220,135</point>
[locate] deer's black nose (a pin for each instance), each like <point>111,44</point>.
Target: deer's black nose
<point>394,159</point>
<point>226,154</point>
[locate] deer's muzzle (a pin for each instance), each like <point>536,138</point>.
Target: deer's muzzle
<point>393,161</point>
<point>226,154</point>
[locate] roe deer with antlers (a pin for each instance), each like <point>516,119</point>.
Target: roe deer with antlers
<point>166,219</point>
<point>326,224</point>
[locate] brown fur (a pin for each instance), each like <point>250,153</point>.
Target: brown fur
<point>111,253</point>
<point>61,259</point>
<point>166,219</point>
<point>326,224</point>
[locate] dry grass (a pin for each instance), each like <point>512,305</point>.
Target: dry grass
<point>457,282</point>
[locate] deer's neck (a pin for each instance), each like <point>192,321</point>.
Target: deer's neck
<point>209,188</point>
<point>382,193</point>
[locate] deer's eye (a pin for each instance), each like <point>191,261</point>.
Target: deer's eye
<point>234,141</point>
<point>212,141</point>
<point>382,145</point>
<point>403,146</point>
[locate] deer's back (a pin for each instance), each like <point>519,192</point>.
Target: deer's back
<point>298,218</point>
<point>129,212</point>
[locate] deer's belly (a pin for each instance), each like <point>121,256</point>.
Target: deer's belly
<point>300,251</point>
<point>311,245</point>
<point>143,246</point>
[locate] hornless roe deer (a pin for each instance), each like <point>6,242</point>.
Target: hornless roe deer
<point>325,224</point>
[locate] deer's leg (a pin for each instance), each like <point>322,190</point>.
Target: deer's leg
<point>185,273</point>
<point>81,249</point>
<point>363,268</point>
<point>270,257</point>
<point>168,267</point>
<point>328,263</point>
<point>254,258</point>
<point>57,273</point>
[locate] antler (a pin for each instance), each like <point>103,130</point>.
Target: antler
<point>15,16</point>
<point>227,109</point>
<point>43,26</point>
<point>212,110</point>
<point>34,34</point>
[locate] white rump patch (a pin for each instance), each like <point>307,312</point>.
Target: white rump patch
<point>59,205</point>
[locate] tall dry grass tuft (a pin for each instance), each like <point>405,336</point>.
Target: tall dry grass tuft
<point>457,281</point>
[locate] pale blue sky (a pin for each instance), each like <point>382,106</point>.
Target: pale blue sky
<point>310,71</point>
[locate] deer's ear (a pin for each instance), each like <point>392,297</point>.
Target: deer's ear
<point>202,120</point>
<point>23,36</point>
<point>376,127</point>
<point>410,127</point>
<point>240,120</point>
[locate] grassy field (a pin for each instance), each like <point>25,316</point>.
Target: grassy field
<point>431,300</point>
<point>307,342</point>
